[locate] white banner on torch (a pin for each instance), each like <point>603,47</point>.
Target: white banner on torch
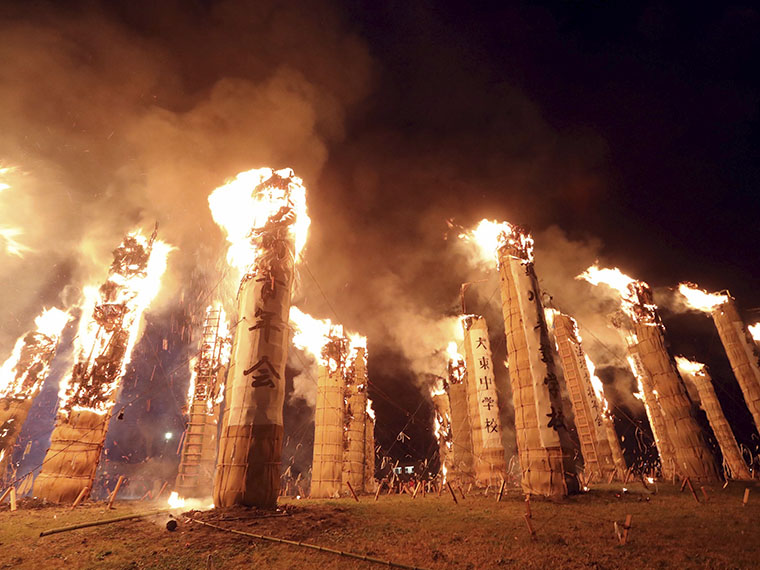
<point>529,301</point>
<point>488,406</point>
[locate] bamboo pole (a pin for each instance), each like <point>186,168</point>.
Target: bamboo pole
<point>626,528</point>
<point>453,496</point>
<point>350,488</point>
<point>745,500</point>
<point>13,498</point>
<point>116,490</point>
<point>80,497</point>
<point>102,522</point>
<point>501,492</point>
<point>311,546</point>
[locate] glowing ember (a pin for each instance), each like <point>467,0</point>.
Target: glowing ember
<point>699,299</point>
<point>754,330</point>
<point>491,237</point>
<point>251,203</point>
<point>104,343</point>
<point>689,367</point>
<point>22,374</point>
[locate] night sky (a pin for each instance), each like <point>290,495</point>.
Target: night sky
<point>628,134</point>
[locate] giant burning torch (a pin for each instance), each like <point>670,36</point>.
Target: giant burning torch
<point>195,475</point>
<point>462,468</point>
<point>341,419</point>
<point>487,448</point>
<point>696,373</point>
<point>543,440</point>
<point>647,340</point>
<point>22,375</point>
<point>102,349</point>
<point>596,429</point>
<point>264,216</point>
<point>737,339</point>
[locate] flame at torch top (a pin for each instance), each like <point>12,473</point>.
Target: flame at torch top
<point>248,204</point>
<point>635,296</point>
<point>492,237</point>
<point>22,374</point>
<point>701,300</point>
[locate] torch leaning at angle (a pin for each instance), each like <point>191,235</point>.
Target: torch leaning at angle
<point>693,458</point>
<point>102,349</point>
<point>22,376</point>
<point>696,373</point>
<point>596,431</point>
<point>261,212</point>
<point>740,347</point>
<point>543,441</point>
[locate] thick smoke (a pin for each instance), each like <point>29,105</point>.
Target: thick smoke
<point>121,116</point>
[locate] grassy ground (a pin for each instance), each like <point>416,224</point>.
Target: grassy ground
<point>670,529</point>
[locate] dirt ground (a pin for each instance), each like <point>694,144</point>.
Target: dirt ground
<point>669,529</point>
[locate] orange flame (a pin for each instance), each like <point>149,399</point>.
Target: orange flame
<point>491,237</point>
<point>251,200</point>
<point>635,296</point>
<point>129,290</point>
<point>36,349</point>
<point>8,235</point>
<point>314,335</point>
<point>701,300</point>
<point>754,330</point>
<point>690,367</point>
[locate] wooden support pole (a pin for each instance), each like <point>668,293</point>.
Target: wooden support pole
<point>13,498</point>
<point>626,528</point>
<point>416,489</point>
<point>462,491</point>
<point>148,495</point>
<point>379,487</point>
<point>691,488</point>
<point>745,500</point>
<point>611,477</point>
<point>163,488</point>
<point>115,490</point>
<point>80,497</point>
<point>628,474</point>
<point>683,485</point>
<point>530,527</point>
<point>704,493</point>
<point>5,493</point>
<point>440,488</point>
<point>501,491</point>
<point>453,496</point>
<point>528,512</point>
<point>350,488</point>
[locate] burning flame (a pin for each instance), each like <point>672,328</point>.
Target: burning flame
<point>215,352</point>
<point>9,235</point>
<point>315,335</point>
<point>635,296</point>
<point>245,205</point>
<point>690,367</point>
<point>22,374</point>
<point>491,237</point>
<point>596,383</point>
<point>754,330</point>
<point>370,410</point>
<point>456,365</point>
<point>175,501</point>
<point>116,308</point>
<point>701,300</point>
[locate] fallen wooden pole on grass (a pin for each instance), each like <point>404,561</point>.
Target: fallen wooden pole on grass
<point>104,521</point>
<point>112,498</point>
<point>453,496</point>
<point>312,546</point>
<point>350,488</point>
<point>80,497</point>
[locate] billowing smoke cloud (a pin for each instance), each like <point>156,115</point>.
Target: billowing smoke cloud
<point>120,116</point>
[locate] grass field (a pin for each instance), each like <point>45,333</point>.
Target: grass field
<point>669,530</point>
